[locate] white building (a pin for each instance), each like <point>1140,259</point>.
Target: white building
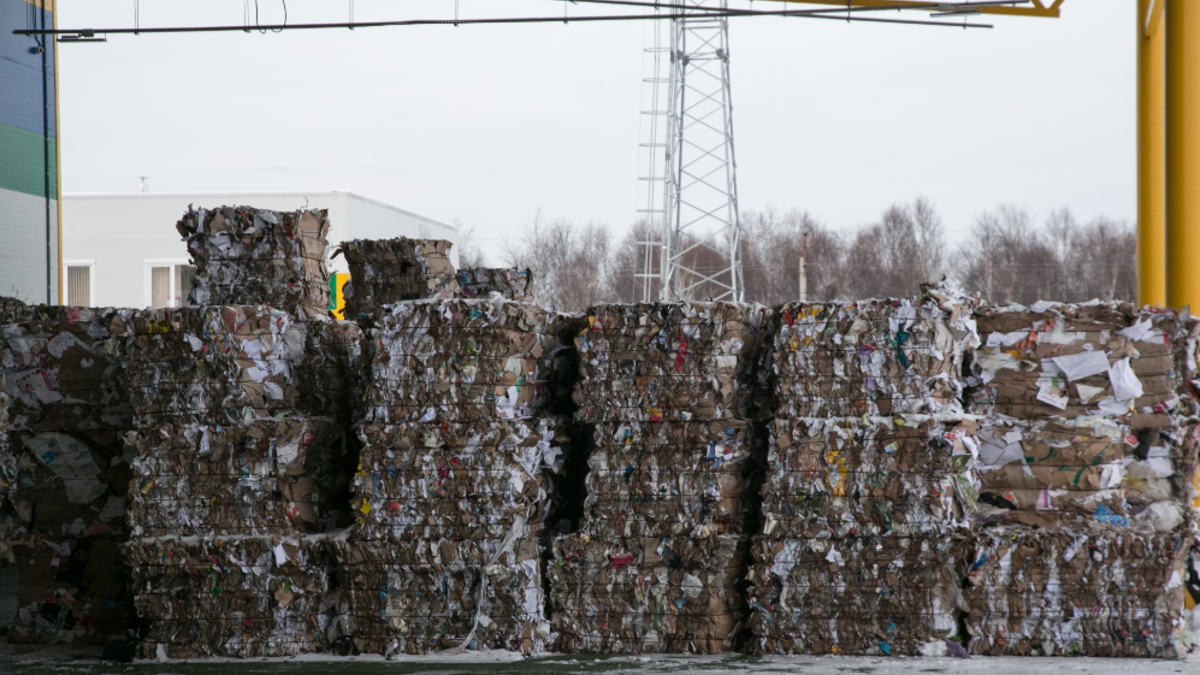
<point>124,251</point>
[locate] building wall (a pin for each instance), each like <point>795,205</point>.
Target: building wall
<point>370,219</point>
<point>118,234</point>
<point>29,172</point>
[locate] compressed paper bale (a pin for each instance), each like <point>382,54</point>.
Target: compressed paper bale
<point>260,478</point>
<point>902,476</point>
<point>1049,466</point>
<point>424,596</point>
<point>511,284</point>
<point>228,364</point>
<point>387,271</point>
<point>73,589</point>
<point>237,596</point>
<point>1100,591</point>
<point>647,595</point>
<point>69,520</point>
<point>76,482</point>
<point>873,357</point>
<point>432,480</point>
<point>13,310</point>
<point>656,362</point>
<point>249,256</point>
<point>1090,470</point>
<point>668,479</point>
<point>857,596</point>
<point>1047,363</point>
<point>65,370</point>
<point>462,360</point>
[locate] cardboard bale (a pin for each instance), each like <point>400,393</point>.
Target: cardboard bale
<point>69,511</point>
<point>881,596</point>
<point>229,364</point>
<point>457,481</point>
<point>264,477</point>
<point>13,310</point>
<point>1089,591</point>
<point>481,282</point>
<point>1085,471</point>
<point>387,271</point>
<point>73,589</point>
<point>668,479</point>
<point>428,595</point>
<point>676,362</point>
<point>237,596</point>
<point>899,476</point>
<point>873,357</point>
<point>249,256</point>
<point>461,360</point>
<point>646,595</point>
<point>1067,360</point>
<point>65,370</point>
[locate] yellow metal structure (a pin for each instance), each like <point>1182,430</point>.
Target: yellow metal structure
<point>1183,152</point>
<point>1151,154</point>
<point>1040,8</point>
<point>337,301</point>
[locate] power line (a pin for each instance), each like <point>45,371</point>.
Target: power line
<point>278,28</point>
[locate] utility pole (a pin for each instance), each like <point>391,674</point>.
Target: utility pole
<point>804,271</point>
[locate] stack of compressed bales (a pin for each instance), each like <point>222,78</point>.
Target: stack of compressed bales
<point>481,282</point>
<point>869,487</point>
<point>241,459</point>
<point>654,563</point>
<point>455,480</point>
<point>1090,441</point>
<point>67,410</point>
<point>248,256</point>
<point>386,271</point>
<point>237,442</point>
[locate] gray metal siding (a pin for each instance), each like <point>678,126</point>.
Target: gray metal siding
<point>23,247</point>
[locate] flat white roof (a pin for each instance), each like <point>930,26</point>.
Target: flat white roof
<point>249,200</point>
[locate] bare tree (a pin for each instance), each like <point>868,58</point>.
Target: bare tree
<point>469,252</point>
<point>895,255</point>
<point>571,265</point>
<point>1007,259</point>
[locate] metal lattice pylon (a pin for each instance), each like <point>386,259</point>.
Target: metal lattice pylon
<point>699,245</point>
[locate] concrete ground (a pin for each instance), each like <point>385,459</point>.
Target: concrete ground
<point>16,660</point>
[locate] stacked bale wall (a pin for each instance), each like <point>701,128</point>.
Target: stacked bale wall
<point>869,490</point>
<point>655,562</point>
<point>67,472</point>
<point>457,478</point>
<point>1086,454</point>
<point>242,456</point>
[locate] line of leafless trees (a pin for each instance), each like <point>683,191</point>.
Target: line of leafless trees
<point>1006,256</point>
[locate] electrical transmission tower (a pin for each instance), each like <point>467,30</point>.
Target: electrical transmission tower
<point>688,171</point>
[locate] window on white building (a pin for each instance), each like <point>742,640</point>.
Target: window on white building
<point>424,232</point>
<point>168,283</point>
<point>79,291</point>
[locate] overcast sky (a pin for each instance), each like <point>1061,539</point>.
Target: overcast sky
<point>488,124</point>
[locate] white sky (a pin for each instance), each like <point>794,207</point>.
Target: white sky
<point>488,124</point>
